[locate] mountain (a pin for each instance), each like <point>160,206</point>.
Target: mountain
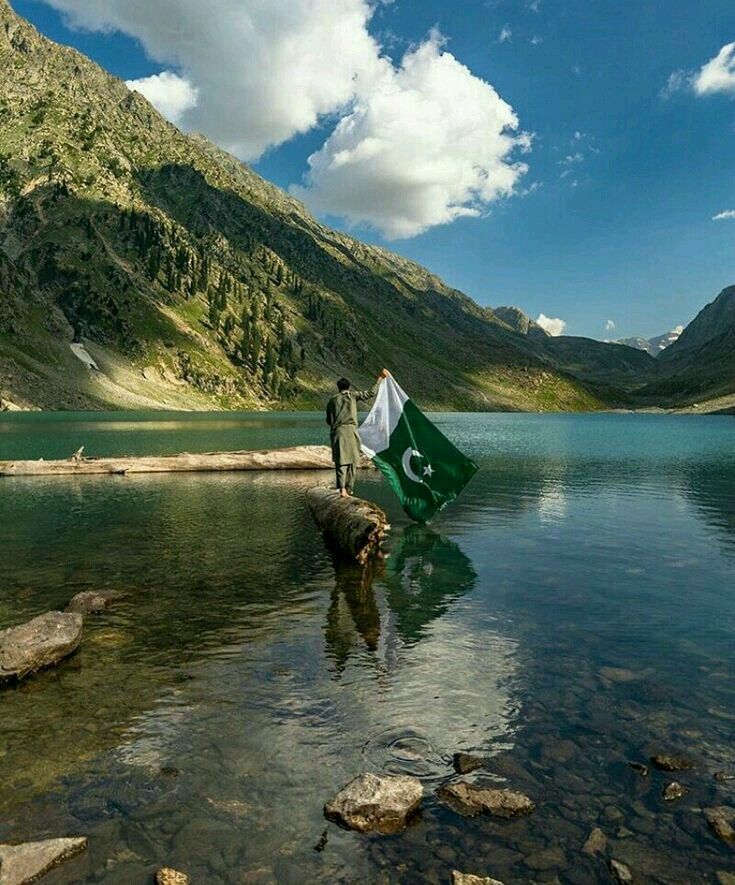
<point>516,319</point>
<point>144,268</point>
<point>654,345</point>
<point>190,282</point>
<point>700,364</point>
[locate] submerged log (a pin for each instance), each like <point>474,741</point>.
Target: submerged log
<point>356,526</point>
<point>293,458</point>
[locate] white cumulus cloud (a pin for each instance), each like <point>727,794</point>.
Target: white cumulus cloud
<point>427,144</point>
<point>609,325</point>
<point>506,34</point>
<point>718,75</point>
<point>172,95</point>
<point>724,216</point>
<point>414,144</point>
<point>553,325</point>
<point>265,71</point>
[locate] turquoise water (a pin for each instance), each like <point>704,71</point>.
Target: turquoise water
<point>246,675</point>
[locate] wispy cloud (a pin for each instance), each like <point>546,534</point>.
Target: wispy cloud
<point>610,325</point>
<point>505,35</point>
<point>724,216</point>
<point>536,40</point>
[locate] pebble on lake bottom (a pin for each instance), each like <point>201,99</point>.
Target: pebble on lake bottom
<point>596,842</point>
<point>671,762</point>
<point>469,800</point>
<point>169,876</point>
<point>621,873</point>
<point>674,790</point>
<point>464,763</point>
<point>470,879</point>
<point>721,819</point>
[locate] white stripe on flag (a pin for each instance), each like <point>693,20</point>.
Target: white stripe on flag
<point>376,429</point>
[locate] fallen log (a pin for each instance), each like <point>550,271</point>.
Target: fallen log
<point>356,526</point>
<point>293,458</point>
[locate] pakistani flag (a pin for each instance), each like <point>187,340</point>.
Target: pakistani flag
<point>425,470</point>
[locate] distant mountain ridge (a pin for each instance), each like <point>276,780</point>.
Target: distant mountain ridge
<point>654,345</point>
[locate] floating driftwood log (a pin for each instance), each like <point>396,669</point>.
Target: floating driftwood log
<point>294,458</point>
<point>354,525</point>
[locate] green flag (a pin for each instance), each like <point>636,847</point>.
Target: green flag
<point>425,470</point>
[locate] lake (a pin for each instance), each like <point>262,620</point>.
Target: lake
<point>572,612</point>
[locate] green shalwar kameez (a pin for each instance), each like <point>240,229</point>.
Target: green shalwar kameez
<point>342,421</point>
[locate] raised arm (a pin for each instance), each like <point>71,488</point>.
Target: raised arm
<point>361,395</point>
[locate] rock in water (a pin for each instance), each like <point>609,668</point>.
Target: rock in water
<point>92,602</point>
<point>674,790</point>
<point>24,863</point>
<point>672,762</point>
<point>639,768</point>
<point>469,800</point>
<point>620,872</point>
<point>39,643</point>
<point>376,804</point>
<point>468,879</point>
<point>464,763</point>
<point>722,820</point>
<point>595,843</point>
<point>168,876</point>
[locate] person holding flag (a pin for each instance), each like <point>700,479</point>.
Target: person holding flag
<point>342,421</point>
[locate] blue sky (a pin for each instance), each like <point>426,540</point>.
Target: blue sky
<point>613,219</point>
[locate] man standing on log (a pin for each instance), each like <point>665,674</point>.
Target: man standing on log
<point>342,421</point>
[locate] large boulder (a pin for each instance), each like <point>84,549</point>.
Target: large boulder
<point>24,863</point>
<point>469,800</point>
<point>376,804</point>
<point>39,643</point>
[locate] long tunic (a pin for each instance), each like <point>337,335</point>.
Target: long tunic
<point>342,420</point>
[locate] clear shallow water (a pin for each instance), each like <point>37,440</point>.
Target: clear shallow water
<point>246,676</point>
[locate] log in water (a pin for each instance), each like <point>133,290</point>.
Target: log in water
<point>293,458</point>
<point>356,526</point>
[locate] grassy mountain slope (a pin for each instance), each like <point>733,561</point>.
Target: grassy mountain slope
<point>193,283</point>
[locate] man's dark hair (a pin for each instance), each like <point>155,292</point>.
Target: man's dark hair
<point>344,384</point>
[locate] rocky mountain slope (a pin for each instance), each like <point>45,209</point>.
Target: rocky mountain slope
<point>700,364</point>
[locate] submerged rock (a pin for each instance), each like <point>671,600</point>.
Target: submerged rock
<point>722,820</point>
<point>31,860</point>
<point>672,762</point>
<point>469,800</point>
<point>725,878</point>
<point>674,790</point>
<point>376,804</point>
<point>464,763</point>
<point>469,879</point>
<point>92,602</point>
<point>639,768</point>
<point>168,876</point>
<point>596,842</point>
<point>620,872</point>
<point>723,776</point>
<point>39,643</point>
